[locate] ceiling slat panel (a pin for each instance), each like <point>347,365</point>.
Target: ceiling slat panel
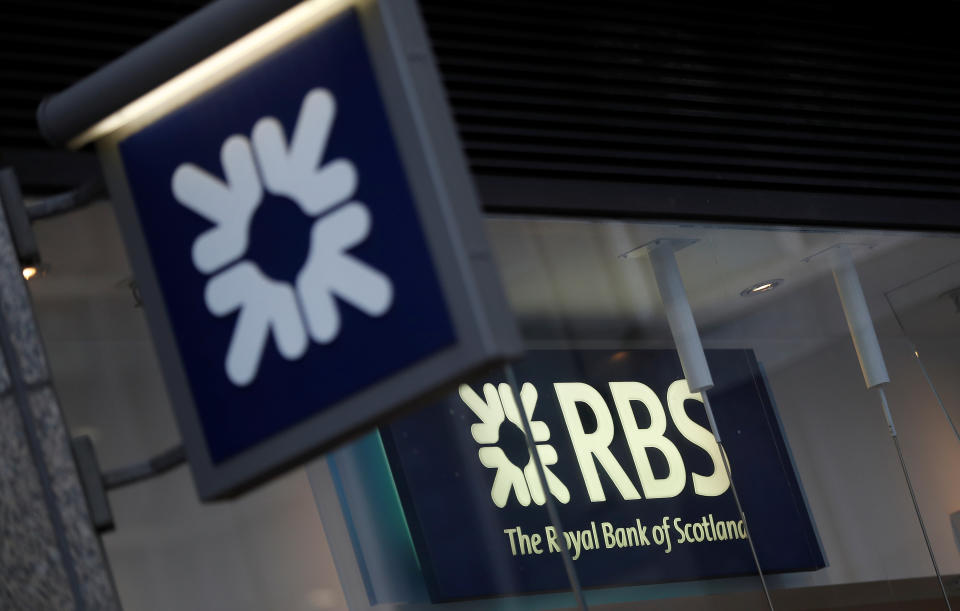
<point>787,95</point>
<point>803,95</point>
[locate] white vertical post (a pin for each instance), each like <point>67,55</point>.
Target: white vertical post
<point>873,367</point>
<point>858,318</point>
<point>680,317</point>
<point>693,360</point>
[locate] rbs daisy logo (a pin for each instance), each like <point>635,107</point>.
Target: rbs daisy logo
<point>634,474</point>
<point>288,263</point>
<point>498,412</point>
<point>293,313</point>
<point>579,404</point>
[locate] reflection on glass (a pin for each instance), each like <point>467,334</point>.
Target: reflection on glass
<point>581,285</point>
<point>440,509</point>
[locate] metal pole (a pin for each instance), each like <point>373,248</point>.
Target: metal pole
<point>873,367</point>
<point>693,361</point>
<point>736,497</point>
<point>913,496</point>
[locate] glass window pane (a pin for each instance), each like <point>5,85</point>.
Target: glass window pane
<point>378,522</point>
<point>770,292</point>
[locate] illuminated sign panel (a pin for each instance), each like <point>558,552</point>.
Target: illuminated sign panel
<point>304,235</point>
<point>630,462</point>
<point>275,243</point>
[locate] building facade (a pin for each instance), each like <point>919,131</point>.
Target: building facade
<point>774,146</point>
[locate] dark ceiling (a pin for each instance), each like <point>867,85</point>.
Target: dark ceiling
<point>825,97</point>
<point>49,45</point>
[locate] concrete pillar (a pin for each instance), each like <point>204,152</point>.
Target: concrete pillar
<point>50,555</point>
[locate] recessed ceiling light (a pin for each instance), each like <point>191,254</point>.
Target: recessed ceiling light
<point>761,287</point>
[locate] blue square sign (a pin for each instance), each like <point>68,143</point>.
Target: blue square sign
<point>632,466</point>
<point>285,240</point>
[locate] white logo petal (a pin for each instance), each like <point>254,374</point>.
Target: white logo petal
<point>548,456</point>
<point>508,477</point>
<point>269,306</point>
<point>497,405</point>
<point>489,411</point>
<point>265,305</point>
<point>228,206</point>
<point>330,270</point>
<point>294,172</point>
<point>528,398</point>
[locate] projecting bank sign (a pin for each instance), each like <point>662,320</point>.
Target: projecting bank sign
<point>629,461</point>
<point>306,248</point>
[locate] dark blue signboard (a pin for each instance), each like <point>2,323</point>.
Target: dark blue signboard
<point>631,464</point>
<point>285,240</point>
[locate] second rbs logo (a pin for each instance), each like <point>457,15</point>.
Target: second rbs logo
<point>499,417</point>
